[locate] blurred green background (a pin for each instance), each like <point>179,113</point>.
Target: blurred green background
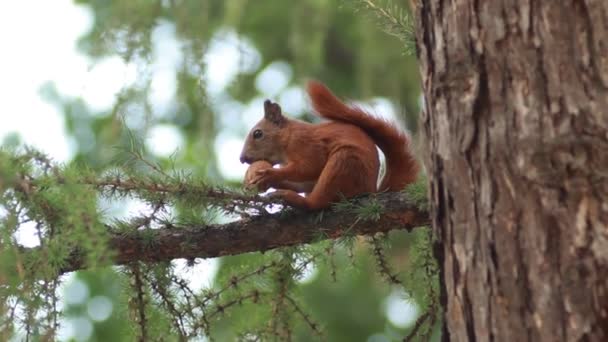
<point>189,78</point>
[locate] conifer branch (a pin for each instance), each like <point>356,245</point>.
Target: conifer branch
<point>257,233</point>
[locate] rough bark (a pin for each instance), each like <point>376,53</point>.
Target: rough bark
<point>516,123</point>
<point>258,233</point>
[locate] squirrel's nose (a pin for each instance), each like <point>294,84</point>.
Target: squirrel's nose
<point>244,159</point>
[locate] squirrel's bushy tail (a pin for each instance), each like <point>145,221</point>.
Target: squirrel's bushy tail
<point>401,166</point>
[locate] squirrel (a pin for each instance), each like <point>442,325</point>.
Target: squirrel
<point>326,161</point>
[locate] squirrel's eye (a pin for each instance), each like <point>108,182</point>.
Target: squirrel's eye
<point>257,134</point>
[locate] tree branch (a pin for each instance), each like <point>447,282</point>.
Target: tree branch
<point>259,233</point>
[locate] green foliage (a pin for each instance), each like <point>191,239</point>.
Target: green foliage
<point>424,284</point>
<point>371,210</point>
<point>418,192</point>
<point>64,215</point>
<point>394,20</point>
<point>62,204</point>
<point>258,296</point>
<point>331,290</point>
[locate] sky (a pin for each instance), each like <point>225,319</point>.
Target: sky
<point>45,51</point>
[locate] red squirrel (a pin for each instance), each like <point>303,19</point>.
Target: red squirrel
<point>330,160</point>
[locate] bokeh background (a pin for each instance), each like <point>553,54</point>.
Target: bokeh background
<point>189,78</point>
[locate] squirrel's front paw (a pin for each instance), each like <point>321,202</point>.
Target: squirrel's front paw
<point>263,176</point>
<point>253,180</point>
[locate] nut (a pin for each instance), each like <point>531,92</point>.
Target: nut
<point>250,175</point>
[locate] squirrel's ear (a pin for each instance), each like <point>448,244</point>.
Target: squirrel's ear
<point>272,113</point>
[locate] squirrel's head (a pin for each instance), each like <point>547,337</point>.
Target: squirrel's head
<point>264,140</point>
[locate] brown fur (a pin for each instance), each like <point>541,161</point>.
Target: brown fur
<point>328,160</point>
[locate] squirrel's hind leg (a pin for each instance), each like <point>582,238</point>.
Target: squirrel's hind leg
<point>305,187</point>
<point>290,197</point>
<point>345,174</point>
<point>293,199</point>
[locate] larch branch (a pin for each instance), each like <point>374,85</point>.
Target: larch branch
<point>259,234</point>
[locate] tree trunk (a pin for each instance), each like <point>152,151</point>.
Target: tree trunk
<point>516,124</point>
